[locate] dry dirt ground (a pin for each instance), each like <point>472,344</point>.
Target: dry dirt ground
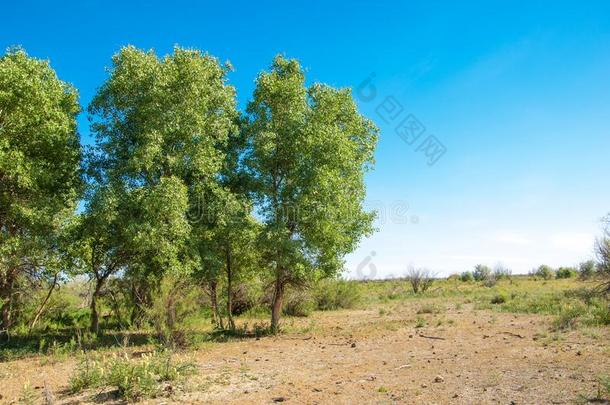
<point>461,356</point>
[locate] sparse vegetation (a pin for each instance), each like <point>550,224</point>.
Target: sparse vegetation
<point>420,279</point>
<point>133,378</point>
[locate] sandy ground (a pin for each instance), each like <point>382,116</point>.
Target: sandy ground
<point>461,356</point>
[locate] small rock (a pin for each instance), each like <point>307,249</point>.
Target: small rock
<point>424,386</point>
<point>579,353</point>
<point>439,379</point>
<point>354,344</point>
<point>279,399</point>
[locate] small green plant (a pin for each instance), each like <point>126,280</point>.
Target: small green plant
<point>420,322</point>
<point>430,309</point>
<point>568,318</point>
<point>88,374</point>
<point>498,299</point>
<point>467,276</point>
<point>603,387</point>
<point>133,378</point>
<point>28,395</point>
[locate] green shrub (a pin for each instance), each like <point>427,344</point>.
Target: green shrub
<point>175,301</point>
<point>467,276</point>
<point>568,318</point>
<point>490,281</point>
<point>298,303</point>
<point>420,279</point>
<point>88,374</point>
<point>498,299</point>
<point>481,272</point>
<point>336,294</point>
<point>133,378</point>
<point>603,387</point>
<point>566,272</point>
<point>501,272</point>
<point>430,309</point>
<point>587,270</point>
<point>244,298</point>
<point>545,272</point>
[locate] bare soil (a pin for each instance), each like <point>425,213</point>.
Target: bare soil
<point>463,356</point>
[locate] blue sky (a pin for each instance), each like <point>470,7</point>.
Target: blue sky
<point>518,96</point>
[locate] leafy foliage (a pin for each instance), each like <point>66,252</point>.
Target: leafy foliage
<point>309,151</point>
<point>39,173</point>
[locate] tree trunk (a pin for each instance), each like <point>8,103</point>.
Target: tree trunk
<point>217,319</point>
<point>6,297</point>
<point>44,303</point>
<point>229,291</point>
<point>6,317</point>
<point>95,321</point>
<point>276,309</point>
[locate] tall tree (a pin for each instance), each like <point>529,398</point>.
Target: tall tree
<point>309,151</point>
<point>160,126</point>
<point>39,168</point>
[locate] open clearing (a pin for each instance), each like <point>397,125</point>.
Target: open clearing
<point>385,354</point>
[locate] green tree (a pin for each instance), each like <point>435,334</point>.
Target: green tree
<point>544,271</point>
<point>101,236</point>
<point>481,272</point>
<point>309,151</point>
<point>161,126</point>
<point>587,269</point>
<point>39,169</point>
<point>228,231</point>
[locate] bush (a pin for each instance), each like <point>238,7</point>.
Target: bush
<point>568,317</point>
<point>132,378</point>
<point>566,272</point>
<point>498,299</point>
<point>501,272</point>
<point>298,303</point>
<point>545,272</point>
<point>336,294</point>
<point>420,279</point>
<point>481,272</point>
<point>172,305</point>
<point>587,270</point>
<point>430,309</point>
<point>490,281</point>
<point>467,276</point>
<point>243,299</point>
